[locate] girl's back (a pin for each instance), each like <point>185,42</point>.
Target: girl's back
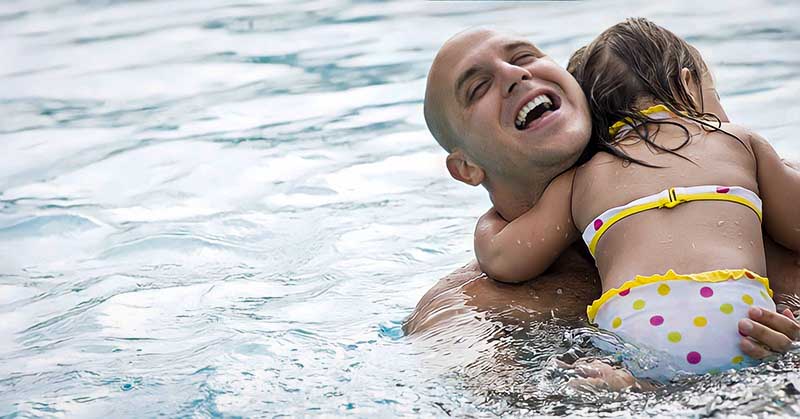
<point>695,236</point>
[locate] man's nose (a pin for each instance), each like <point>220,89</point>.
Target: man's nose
<point>511,75</point>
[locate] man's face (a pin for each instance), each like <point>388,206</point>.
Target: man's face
<point>484,85</point>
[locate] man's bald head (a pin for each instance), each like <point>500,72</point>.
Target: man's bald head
<point>480,88</point>
<point>437,90</point>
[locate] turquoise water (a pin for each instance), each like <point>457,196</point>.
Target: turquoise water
<point>228,208</point>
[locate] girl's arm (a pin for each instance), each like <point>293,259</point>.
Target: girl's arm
<point>779,187</point>
<point>527,246</point>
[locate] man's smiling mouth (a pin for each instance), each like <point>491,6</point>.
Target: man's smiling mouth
<point>534,110</point>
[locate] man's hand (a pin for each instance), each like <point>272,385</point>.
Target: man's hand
<point>768,332</point>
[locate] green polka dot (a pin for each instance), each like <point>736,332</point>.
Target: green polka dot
<point>700,321</point>
<point>617,322</point>
<point>747,299</point>
<point>663,289</point>
<point>674,337</point>
<point>737,359</point>
<point>638,304</point>
<point>726,308</point>
<point>764,295</point>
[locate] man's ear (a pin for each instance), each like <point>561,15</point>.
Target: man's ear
<point>690,86</point>
<point>462,169</point>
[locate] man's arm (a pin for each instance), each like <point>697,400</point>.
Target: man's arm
<point>563,291</point>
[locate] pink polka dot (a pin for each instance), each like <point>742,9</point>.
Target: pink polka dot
<point>693,357</point>
<point>721,189</point>
<point>656,320</point>
<point>598,223</point>
<point>706,292</point>
<point>624,292</point>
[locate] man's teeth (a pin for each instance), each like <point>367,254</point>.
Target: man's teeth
<point>538,100</point>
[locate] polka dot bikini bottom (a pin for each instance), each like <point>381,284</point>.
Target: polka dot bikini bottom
<point>689,320</point>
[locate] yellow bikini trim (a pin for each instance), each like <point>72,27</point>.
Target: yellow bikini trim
<point>622,214</point>
<point>721,275</point>
<point>614,129</point>
<point>709,196</point>
<point>670,202</point>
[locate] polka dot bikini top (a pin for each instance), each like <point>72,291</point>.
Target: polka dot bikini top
<point>669,199</point>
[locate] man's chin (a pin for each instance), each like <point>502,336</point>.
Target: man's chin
<point>565,149</point>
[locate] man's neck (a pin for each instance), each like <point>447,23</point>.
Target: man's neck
<point>512,199</point>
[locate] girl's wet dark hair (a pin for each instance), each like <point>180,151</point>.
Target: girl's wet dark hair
<point>630,63</point>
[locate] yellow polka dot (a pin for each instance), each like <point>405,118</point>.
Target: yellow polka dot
<point>617,322</point>
<point>726,308</point>
<point>700,321</point>
<point>737,359</point>
<point>663,289</point>
<point>674,337</point>
<point>747,299</point>
<point>638,304</point>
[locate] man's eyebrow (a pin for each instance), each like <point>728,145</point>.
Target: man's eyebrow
<point>518,44</point>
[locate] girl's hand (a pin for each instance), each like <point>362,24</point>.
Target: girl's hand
<point>768,332</point>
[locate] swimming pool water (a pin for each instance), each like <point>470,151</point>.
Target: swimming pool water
<point>217,208</point>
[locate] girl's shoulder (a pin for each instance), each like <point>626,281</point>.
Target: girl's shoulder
<point>745,135</point>
<point>599,159</point>
<point>602,165</point>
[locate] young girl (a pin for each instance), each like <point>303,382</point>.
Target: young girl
<point>670,203</point>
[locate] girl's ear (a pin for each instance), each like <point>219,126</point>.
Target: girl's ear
<point>464,170</point>
<point>690,86</point>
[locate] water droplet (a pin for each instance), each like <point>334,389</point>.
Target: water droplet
<point>739,247</point>
<point>558,228</point>
<point>519,241</point>
<point>720,223</point>
<point>559,291</point>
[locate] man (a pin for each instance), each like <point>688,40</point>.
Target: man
<point>476,82</point>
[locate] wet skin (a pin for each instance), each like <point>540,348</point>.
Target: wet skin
<point>563,291</point>
<point>515,167</point>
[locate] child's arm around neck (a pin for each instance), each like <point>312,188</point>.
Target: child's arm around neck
<point>524,248</point>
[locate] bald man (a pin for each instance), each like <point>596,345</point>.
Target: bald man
<point>475,85</point>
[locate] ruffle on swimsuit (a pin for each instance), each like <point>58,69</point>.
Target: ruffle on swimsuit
<point>689,321</point>
<point>721,275</point>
